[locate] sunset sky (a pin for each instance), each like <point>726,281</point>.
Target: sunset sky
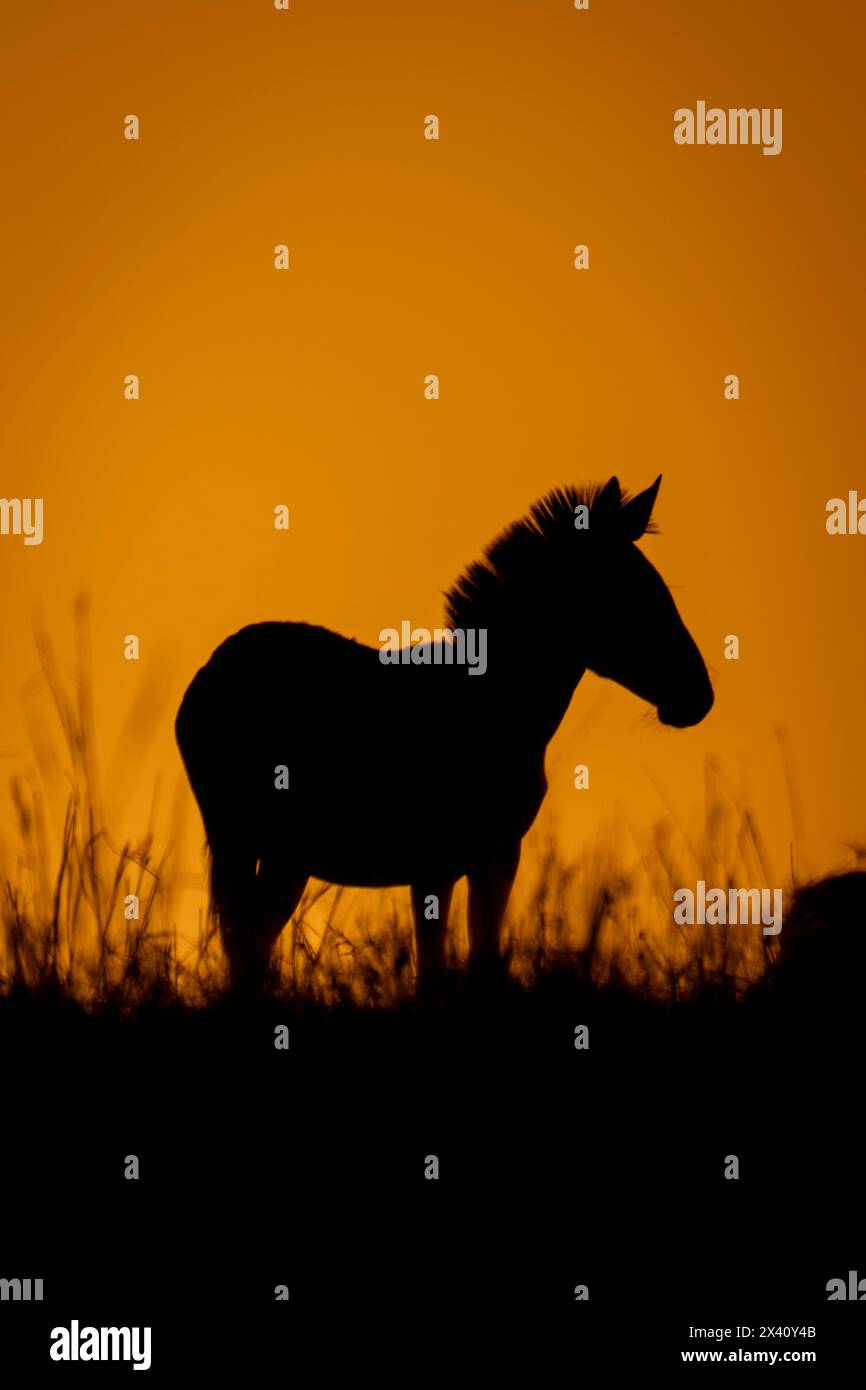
<point>409,257</point>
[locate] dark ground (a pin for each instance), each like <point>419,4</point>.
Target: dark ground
<point>558,1167</point>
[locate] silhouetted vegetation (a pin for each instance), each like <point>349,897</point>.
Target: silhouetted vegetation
<point>593,923</point>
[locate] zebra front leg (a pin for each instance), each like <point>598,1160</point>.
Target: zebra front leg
<point>430,909</point>
<point>489,890</point>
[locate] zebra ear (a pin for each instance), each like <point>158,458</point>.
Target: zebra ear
<point>635,515</point>
<point>605,509</point>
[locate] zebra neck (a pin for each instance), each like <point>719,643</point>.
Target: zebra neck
<point>533,695</point>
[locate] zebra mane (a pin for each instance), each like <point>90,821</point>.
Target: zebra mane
<point>541,542</point>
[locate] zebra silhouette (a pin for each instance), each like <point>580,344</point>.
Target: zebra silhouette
<point>419,774</point>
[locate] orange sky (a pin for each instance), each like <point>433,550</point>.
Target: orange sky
<point>411,257</point>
